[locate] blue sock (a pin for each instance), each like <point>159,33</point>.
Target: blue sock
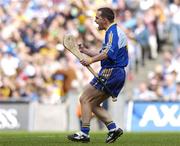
<point>85,128</point>
<point>111,126</point>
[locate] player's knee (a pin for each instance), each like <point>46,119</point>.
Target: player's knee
<point>87,100</point>
<point>83,100</point>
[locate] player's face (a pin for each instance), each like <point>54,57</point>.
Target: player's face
<point>100,21</point>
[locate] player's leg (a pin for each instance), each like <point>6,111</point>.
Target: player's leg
<point>98,110</point>
<point>90,102</point>
<point>86,99</point>
<point>104,116</point>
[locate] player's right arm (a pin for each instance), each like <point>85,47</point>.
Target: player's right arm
<point>89,52</point>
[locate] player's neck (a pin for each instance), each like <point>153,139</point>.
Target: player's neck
<point>109,25</point>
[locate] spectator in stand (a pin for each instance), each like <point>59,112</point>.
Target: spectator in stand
<point>150,21</point>
<point>161,24</point>
<point>176,61</point>
<point>175,21</point>
<point>143,93</point>
<point>142,37</point>
<point>169,88</point>
<point>168,63</point>
<point>177,94</point>
<point>64,77</point>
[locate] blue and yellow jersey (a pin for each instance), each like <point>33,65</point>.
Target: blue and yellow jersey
<point>115,45</point>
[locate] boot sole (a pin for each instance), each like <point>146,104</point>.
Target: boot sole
<point>77,140</point>
<point>113,140</point>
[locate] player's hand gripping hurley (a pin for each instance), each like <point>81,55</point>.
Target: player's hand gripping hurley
<point>70,44</point>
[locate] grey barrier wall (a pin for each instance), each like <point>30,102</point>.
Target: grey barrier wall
<point>24,115</point>
<point>33,116</point>
<point>49,117</point>
<point>14,116</point>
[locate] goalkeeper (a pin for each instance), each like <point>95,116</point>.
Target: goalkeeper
<point>114,58</point>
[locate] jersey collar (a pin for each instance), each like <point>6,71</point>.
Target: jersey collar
<point>110,25</point>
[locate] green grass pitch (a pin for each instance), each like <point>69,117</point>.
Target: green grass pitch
<point>97,139</point>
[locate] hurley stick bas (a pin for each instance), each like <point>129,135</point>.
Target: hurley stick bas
<point>70,44</point>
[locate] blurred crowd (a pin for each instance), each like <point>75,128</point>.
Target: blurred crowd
<point>35,66</point>
<point>163,82</point>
